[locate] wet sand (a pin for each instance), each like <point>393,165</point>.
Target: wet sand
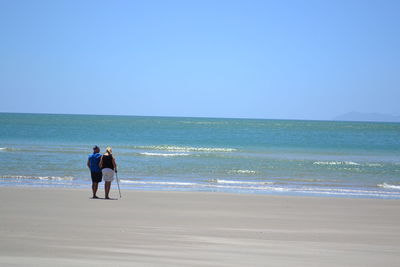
<point>64,227</point>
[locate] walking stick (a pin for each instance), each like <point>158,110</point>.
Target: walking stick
<point>119,190</point>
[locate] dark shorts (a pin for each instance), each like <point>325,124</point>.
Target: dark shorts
<point>96,177</point>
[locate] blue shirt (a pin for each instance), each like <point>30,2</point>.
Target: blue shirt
<point>94,160</point>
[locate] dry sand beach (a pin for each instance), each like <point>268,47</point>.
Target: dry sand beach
<point>63,227</point>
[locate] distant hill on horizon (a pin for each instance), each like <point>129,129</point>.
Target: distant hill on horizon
<point>359,116</point>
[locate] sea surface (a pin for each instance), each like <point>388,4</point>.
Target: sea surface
<point>284,157</point>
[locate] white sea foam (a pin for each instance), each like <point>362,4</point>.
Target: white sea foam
<point>314,190</point>
<point>336,163</point>
<point>223,184</point>
<point>188,149</point>
<point>374,165</point>
<point>220,184</point>
<point>305,180</point>
<point>389,186</point>
<point>347,192</point>
<point>156,183</point>
<point>220,181</point>
<point>243,171</point>
<point>254,188</point>
<point>164,154</point>
<point>55,178</point>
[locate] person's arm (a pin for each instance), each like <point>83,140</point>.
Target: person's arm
<point>88,163</point>
<point>115,164</point>
<point>101,162</point>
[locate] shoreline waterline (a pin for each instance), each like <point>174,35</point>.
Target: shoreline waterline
<point>222,186</point>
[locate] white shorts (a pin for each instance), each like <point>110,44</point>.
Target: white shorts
<point>108,175</point>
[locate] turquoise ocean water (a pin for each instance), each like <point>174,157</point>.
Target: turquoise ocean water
<point>290,157</point>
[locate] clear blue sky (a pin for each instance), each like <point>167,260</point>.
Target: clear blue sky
<point>258,59</point>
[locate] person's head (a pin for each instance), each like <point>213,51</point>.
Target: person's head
<point>96,149</point>
<point>109,150</point>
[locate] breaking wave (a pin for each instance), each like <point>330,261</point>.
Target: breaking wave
<point>336,163</point>
<point>47,178</point>
<point>156,182</point>
<point>383,190</point>
<point>164,154</point>
<point>243,171</point>
<point>6,149</point>
<point>374,165</point>
<point>188,148</point>
<point>269,187</point>
<point>389,186</point>
<point>220,181</point>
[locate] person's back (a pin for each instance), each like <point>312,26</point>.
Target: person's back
<point>95,171</point>
<point>94,160</point>
<point>108,167</point>
<point>108,162</point>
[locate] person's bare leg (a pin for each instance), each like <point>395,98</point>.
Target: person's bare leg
<point>95,186</point>
<point>107,187</point>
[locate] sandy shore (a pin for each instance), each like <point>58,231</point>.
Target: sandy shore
<point>63,227</point>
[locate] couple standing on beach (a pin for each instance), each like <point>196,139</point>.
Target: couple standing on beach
<point>102,167</point>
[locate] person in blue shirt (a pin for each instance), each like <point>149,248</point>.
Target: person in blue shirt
<point>95,171</point>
